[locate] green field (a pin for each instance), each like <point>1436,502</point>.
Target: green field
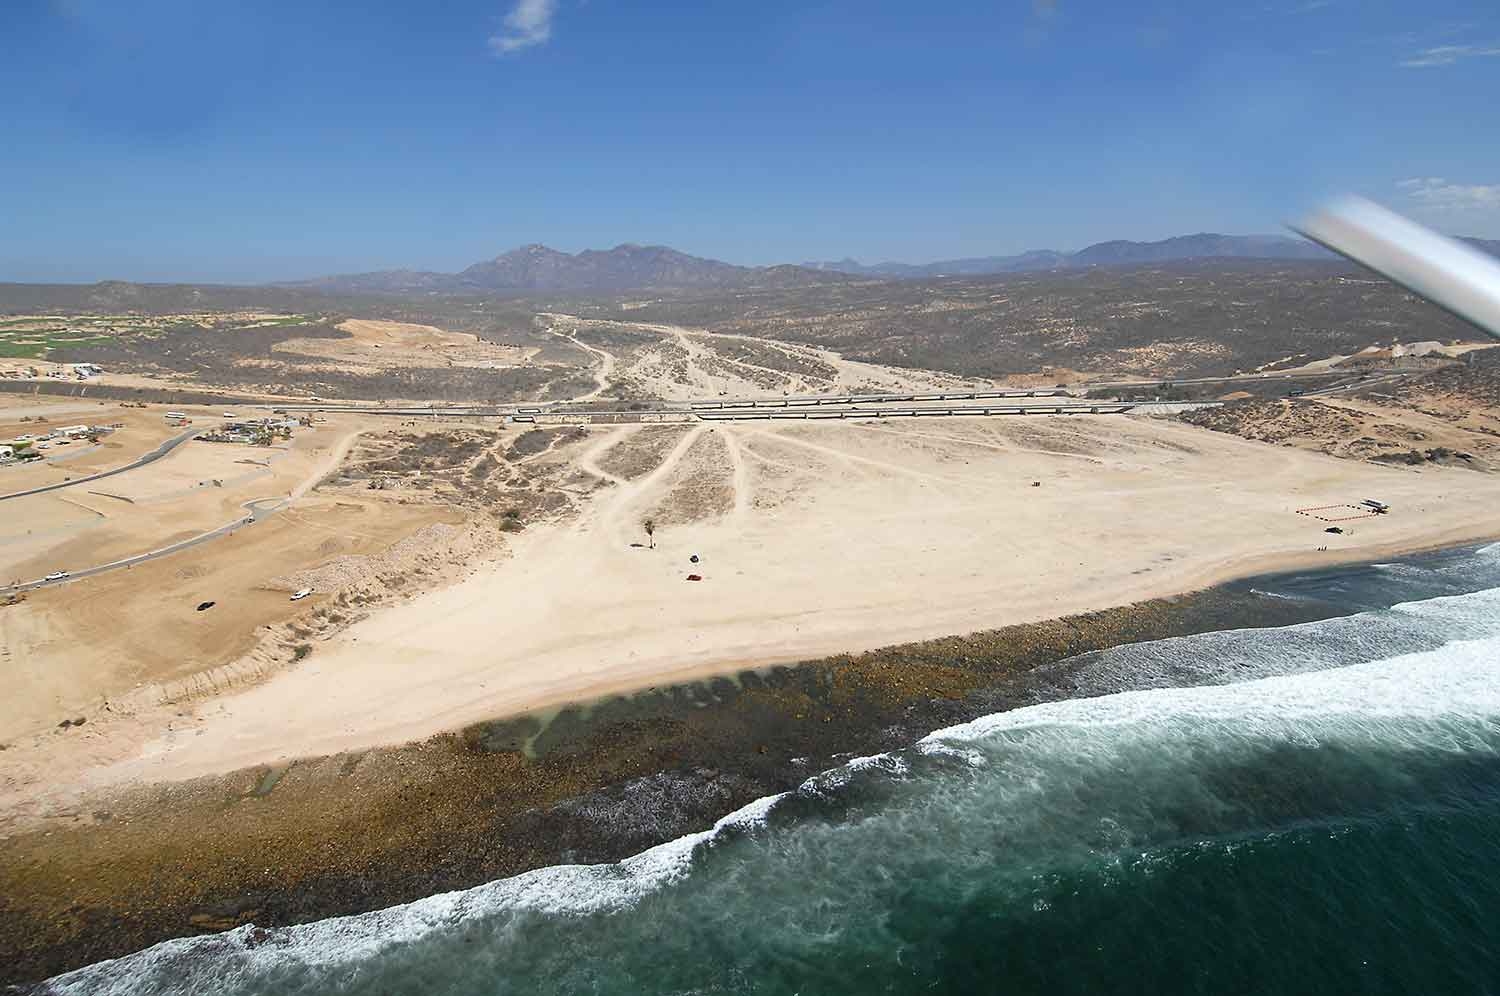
<point>20,350</point>
<point>35,338</point>
<point>36,343</point>
<point>284,320</point>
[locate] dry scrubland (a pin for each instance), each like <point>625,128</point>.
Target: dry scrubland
<point>633,360</point>
<point>1033,329</point>
<point>294,356</point>
<point>1448,416</point>
<point>1177,320</point>
<point>549,356</point>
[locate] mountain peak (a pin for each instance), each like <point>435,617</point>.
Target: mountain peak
<point>530,249</point>
<point>1203,245</point>
<point>628,266</point>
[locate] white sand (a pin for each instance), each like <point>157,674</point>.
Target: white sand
<point>833,537</point>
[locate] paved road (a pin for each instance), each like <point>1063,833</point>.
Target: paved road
<point>850,406</point>
<point>678,407</point>
<point>1070,407</point>
<point>151,457</point>
<point>1375,381</point>
<point>1059,406</point>
<point>257,510</point>
<point>807,400</point>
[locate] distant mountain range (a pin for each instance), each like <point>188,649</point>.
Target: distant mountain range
<point>630,267</point>
<point>1117,253</point>
<point>537,268</point>
<point>1036,259</point>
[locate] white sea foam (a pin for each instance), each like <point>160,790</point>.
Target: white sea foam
<point>560,890</point>
<point>1273,594</point>
<point>826,783</point>
<point>1237,655</point>
<point>1459,679</point>
<point>937,748</point>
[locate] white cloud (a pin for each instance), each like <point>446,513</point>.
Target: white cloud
<point>528,24</point>
<point>1437,193</point>
<point>1447,55</point>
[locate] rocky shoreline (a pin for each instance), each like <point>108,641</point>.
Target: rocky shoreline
<point>590,783</point>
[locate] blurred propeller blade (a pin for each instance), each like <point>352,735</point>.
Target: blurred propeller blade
<point>1456,277</point>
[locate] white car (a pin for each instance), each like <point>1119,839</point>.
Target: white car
<point>300,594</point>
<point>56,576</point>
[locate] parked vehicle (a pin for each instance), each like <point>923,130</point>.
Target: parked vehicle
<point>300,594</point>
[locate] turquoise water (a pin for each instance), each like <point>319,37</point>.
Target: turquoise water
<point>1307,809</point>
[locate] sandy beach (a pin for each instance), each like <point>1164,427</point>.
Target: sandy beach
<point>811,540</point>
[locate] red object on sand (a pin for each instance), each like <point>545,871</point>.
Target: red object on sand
<point>695,577</point>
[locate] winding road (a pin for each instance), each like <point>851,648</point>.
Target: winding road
<point>256,510</point>
<point>151,457</point>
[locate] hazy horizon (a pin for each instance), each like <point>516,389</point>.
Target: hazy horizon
<point>398,267</point>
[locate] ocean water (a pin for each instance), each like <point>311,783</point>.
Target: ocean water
<point>1309,809</point>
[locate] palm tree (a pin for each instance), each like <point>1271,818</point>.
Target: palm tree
<point>650,526</point>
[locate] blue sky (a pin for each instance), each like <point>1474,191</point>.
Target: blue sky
<point>262,140</point>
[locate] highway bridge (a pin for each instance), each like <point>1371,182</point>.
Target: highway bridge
<point>943,404</point>
<point>871,411</point>
<point>841,399</point>
<point>979,401</point>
